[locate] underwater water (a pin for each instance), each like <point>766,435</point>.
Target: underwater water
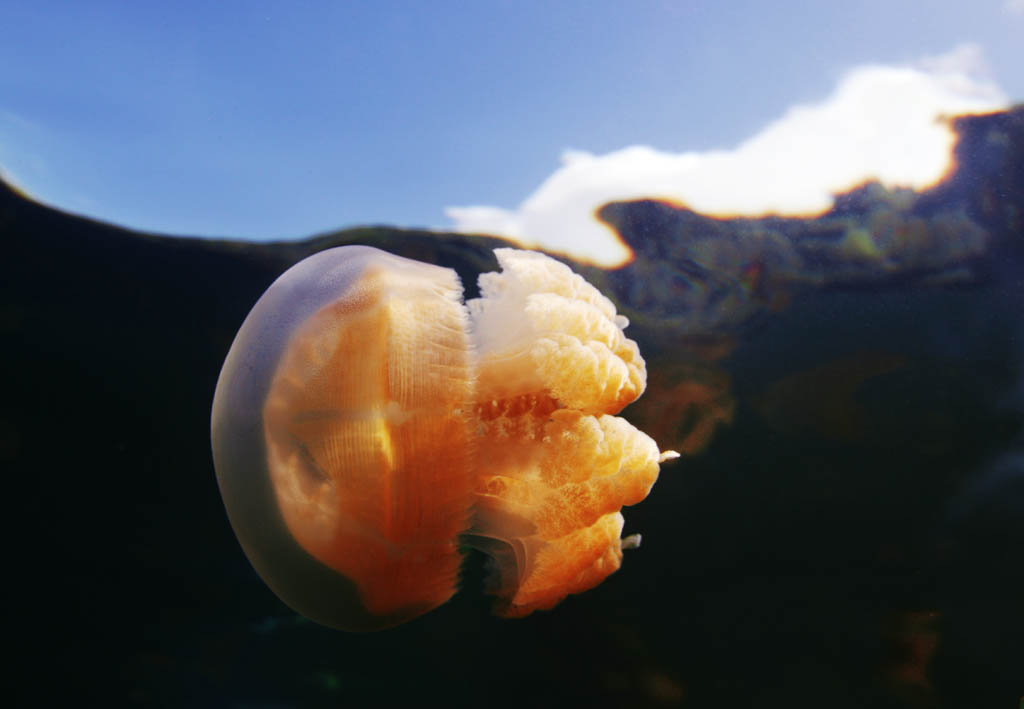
<point>844,528</point>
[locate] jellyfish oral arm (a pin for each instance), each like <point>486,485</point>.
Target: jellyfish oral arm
<point>554,458</point>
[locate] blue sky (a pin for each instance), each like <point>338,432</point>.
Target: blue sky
<point>279,120</point>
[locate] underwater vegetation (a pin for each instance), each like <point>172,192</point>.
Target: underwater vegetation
<point>843,528</point>
<point>366,420</point>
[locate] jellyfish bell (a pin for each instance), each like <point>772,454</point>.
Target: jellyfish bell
<point>310,429</point>
<point>366,423</point>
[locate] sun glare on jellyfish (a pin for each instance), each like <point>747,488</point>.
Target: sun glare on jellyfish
<point>366,423</point>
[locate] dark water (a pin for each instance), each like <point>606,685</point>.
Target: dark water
<point>845,530</point>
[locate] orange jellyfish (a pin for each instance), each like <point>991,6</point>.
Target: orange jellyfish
<point>367,423</point>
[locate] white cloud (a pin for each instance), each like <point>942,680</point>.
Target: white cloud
<point>880,121</point>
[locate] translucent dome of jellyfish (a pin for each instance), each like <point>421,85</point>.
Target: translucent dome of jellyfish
<point>367,424</point>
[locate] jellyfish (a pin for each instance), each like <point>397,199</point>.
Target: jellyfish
<point>368,426</point>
